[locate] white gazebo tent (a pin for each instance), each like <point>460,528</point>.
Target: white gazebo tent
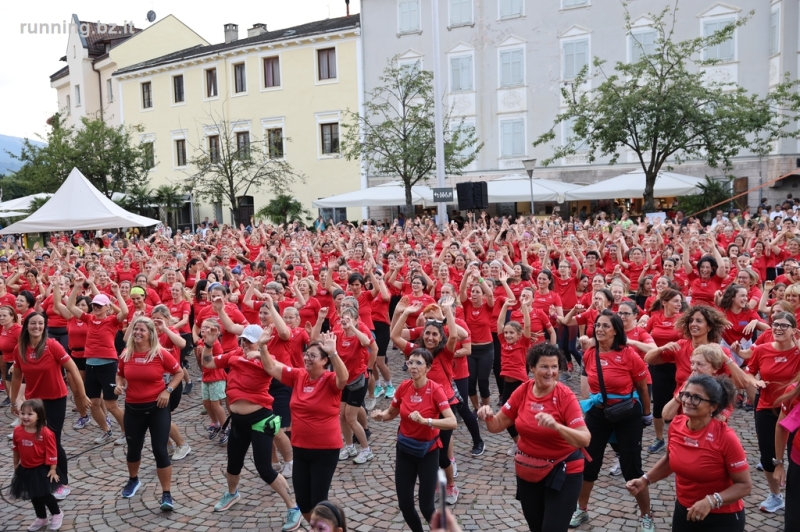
<point>21,204</point>
<point>386,195</point>
<point>517,188</point>
<point>631,185</point>
<point>77,204</point>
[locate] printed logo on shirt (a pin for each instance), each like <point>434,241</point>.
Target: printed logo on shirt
<point>779,360</point>
<point>537,407</point>
<point>507,406</point>
<point>308,389</point>
<point>710,437</point>
<point>743,323</point>
<point>689,441</point>
<point>345,343</point>
<point>27,443</point>
<point>603,362</point>
<point>738,464</point>
<point>576,421</point>
<point>416,398</point>
<point>618,358</point>
<point>140,360</point>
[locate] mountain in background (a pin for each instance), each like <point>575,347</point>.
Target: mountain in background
<point>14,145</point>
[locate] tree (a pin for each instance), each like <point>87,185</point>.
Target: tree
<point>395,135</point>
<point>36,204</point>
<point>110,158</point>
<point>138,198</point>
<point>713,192</point>
<point>238,164</point>
<point>666,110</point>
<point>283,209</point>
<point>169,198</point>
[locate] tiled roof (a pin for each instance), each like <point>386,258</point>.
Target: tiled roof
<point>303,30</point>
<point>60,74</point>
<point>97,41</point>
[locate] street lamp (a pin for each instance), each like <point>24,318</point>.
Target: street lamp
<point>530,165</point>
<point>190,187</point>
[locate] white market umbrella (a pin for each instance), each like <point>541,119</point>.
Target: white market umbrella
<point>631,185</point>
<point>517,188</point>
<point>386,195</point>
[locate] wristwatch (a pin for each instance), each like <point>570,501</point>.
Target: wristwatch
<point>169,389</point>
<point>776,461</point>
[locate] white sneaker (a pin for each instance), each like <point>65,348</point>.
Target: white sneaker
<point>773,503</point>
<point>287,469</point>
<point>455,467</point>
<point>369,403</point>
<point>182,452</point>
<point>121,440</point>
<point>105,437</point>
<point>15,423</point>
<point>348,451</point>
<point>277,466</point>
<point>364,456</point>
<point>512,451</point>
<point>451,495</point>
<point>615,469</point>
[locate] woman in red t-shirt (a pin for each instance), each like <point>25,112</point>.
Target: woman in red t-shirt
<point>9,333</point>
<point>424,412</point>
<point>551,427</point>
<point>477,306</point>
<point>788,422</point>
<point>709,462</point>
<point>706,278</point>
<point>140,374</point>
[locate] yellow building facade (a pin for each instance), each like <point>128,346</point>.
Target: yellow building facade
<point>290,87</point>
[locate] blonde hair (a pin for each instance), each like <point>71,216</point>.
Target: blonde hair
<point>713,354</point>
<point>792,289</point>
<point>153,350</point>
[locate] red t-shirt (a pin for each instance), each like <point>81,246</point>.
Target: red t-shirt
<point>777,369</point>
<point>181,310</point>
<point>424,300</point>
<point>513,358</point>
<point>683,363</point>
<point>8,341</point>
<point>228,340</point>
<point>289,352</point>
<point>735,333</point>
<point>633,272</point>
<point>703,460</point>
<point>365,308</point>
<point>35,451</point>
<point>353,354</point>
<point>621,369</point>
<point>479,321</point>
<point>566,290</point>
<point>638,334</point>
<point>43,378</point>
<point>247,379</point>
<point>76,337</point>
<point>545,301</point>
<point>315,409</point>
<point>213,375</point>
<point>540,322</point>
<point>100,336</point>
<point>702,290</point>
<point>380,309</point>
<point>441,371</point>
<point>430,400</point>
<point>310,311</point>
<point>662,329</point>
<point>538,441</point>
<point>146,378</point>
<point>54,319</point>
<point>587,318</point>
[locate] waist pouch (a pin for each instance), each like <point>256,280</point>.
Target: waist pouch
<point>531,469</point>
<point>357,383</point>
<point>270,425</point>
<point>619,411</point>
<point>415,448</point>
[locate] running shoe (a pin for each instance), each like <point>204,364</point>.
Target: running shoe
<point>569,367</point>
<point>121,440</point>
<point>772,503</point>
<point>389,392</point>
<point>349,451</point>
<point>61,492</point>
<point>224,435</point>
<point>166,502</point>
<point>187,389</point>
<point>57,520</point>
<point>38,524</point>
<point>82,422</point>
<point>451,494</point>
<point>171,449</point>
<point>6,402</point>
<point>293,517</point>
<point>227,501</point>
<point>277,467</point>
<point>369,403</point>
<point>615,470</point>
<point>108,420</point>
<point>646,524</point>
<point>16,422</point>
<point>578,518</point>
<point>455,467</point>
<point>512,451</point>
<point>656,446</point>
<point>759,466</point>
<point>364,456</point>
<point>182,452</point>
<point>131,487</point>
<point>105,437</point>
<point>213,430</point>
<point>378,391</point>
<point>287,470</point>
<point>478,448</point>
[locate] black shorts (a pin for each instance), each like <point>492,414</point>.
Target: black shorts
<point>281,396</point>
<point>355,397</point>
<point>175,396</point>
<point>187,350</point>
<point>80,363</point>
<point>101,379</point>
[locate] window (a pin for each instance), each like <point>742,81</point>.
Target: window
<point>460,12</point>
<point>510,8</point>
<point>575,57</point>
<point>110,90</point>
<point>330,138</point>
<point>409,15</point>
<point>147,95</point>
<point>239,78</point>
<point>337,214</point>
<point>569,134</point>
<point>512,138</point>
<point>149,155</point>
<point>574,3</point>
<point>461,73</point>
<point>466,128</point>
<point>77,95</point>
<point>177,88</point>
<point>272,72</point>
<point>643,42</point>
<point>180,152</point>
<point>723,51</point>
<point>275,143</point>
<point>410,67</point>
<point>512,70</point>
<point>327,63</point>
<point>243,145</point>
<point>213,149</point>
<point>774,32</point>
<point>211,82</point>
<point>69,106</point>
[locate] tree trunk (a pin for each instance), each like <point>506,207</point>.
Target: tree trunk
<point>408,196</point>
<point>650,183</point>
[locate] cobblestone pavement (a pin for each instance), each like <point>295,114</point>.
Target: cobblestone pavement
<point>486,483</point>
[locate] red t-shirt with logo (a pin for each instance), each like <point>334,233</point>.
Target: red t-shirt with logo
<point>43,378</point>
<point>735,333</point>
<point>76,337</point>
<point>290,352</point>
<point>703,460</point>
<point>441,371</point>
<point>353,354</point>
<point>621,369</point>
<point>146,378</point>
<point>566,290</point>
<point>538,441</point>
<point>638,334</point>
<point>683,363</point>
<point>54,319</point>
<point>8,341</point>
<point>703,290</point>
<point>213,375</point>
<point>430,400</point>
<point>513,358</point>
<point>100,336</point>
<point>479,321</point>
<point>181,310</point>
<point>34,450</point>
<point>315,409</point>
<point>247,380</point>
<point>228,340</point>
<point>310,311</point>
<point>777,369</point>
<point>662,329</point>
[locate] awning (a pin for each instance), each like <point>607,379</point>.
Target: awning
<point>631,185</point>
<point>386,195</point>
<point>517,188</point>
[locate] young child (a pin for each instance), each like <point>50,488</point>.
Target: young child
<point>328,517</point>
<point>35,460</point>
<point>213,384</point>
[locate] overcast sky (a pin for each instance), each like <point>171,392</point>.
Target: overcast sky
<point>28,60</point>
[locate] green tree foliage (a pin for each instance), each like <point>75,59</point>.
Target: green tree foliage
<point>666,110</point>
<point>284,209</point>
<point>110,157</point>
<point>36,204</point>
<point>138,199</point>
<point>169,198</point>
<point>395,135</point>
<point>714,191</point>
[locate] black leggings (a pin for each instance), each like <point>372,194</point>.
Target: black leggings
<point>42,504</point>
<point>497,364</point>
<point>545,509</point>
<point>138,418</point>
<point>508,389</point>
<point>242,434</point>
<point>480,367</point>
<point>382,337</point>
<point>56,411</point>
<point>731,522</point>
<point>60,335</point>
<point>187,349</point>
<point>629,443</point>
<point>663,386</point>
<point>444,436</point>
<point>312,475</point>
<point>791,516</point>
<point>568,342</point>
<point>765,431</point>
<point>463,409</point>
<point>407,469</point>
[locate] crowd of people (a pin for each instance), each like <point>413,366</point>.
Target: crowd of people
<point>665,323</point>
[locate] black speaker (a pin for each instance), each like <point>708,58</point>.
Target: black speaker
<point>472,195</point>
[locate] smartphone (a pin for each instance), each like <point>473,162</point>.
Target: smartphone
<point>442,486</point>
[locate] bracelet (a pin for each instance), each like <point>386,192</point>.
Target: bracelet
<point>718,498</point>
<point>480,279</point>
<point>646,479</point>
<point>711,501</point>
<point>430,422</point>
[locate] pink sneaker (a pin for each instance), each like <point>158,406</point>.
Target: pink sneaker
<point>61,493</point>
<point>56,520</point>
<point>39,524</point>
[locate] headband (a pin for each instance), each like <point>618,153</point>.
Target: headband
<point>335,511</point>
<point>138,291</point>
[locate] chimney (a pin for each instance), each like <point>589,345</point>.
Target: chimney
<point>231,32</point>
<point>347,3</point>
<point>257,29</point>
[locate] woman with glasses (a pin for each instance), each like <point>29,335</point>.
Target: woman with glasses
<point>776,308</point>
<point>776,364</point>
<point>624,378</point>
<point>710,466</point>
